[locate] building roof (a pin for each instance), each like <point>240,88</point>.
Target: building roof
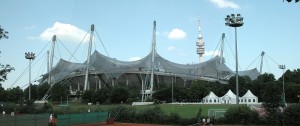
<point>211,95</point>
<point>249,94</point>
<point>211,70</point>
<point>229,94</point>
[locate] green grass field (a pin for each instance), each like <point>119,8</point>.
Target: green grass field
<point>185,111</point>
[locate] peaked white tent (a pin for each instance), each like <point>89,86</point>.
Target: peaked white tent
<point>211,98</point>
<point>249,98</point>
<point>228,98</point>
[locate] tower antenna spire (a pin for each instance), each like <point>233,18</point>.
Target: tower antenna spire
<point>200,43</point>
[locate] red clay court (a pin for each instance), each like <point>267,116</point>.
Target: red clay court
<point>118,124</point>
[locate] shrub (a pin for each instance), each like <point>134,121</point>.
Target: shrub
<point>241,115</point>
<point>119,95</point>
<point>124,114</point>
<point>152,115</point>
<point>292,115</point>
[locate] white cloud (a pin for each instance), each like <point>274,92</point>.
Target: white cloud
<point>171,48</point>
<point>64,32</point>
<point>225,4</point>
<point>177,34</point>
<point>134,58</point>
<point>211,53</point>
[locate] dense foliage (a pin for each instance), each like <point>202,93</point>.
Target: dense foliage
<point>152,115</point>
<point>3,33</point>
<point>241,115</point>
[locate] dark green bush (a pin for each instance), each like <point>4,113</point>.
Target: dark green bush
<point>241,115</point>
<point>124,114</point>
<point>152,115</point>
<point>292,115</point>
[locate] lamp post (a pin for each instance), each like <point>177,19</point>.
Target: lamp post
<point>30,56</point>
<point>172,89</point>
<point>283,91</point>
<point>235,21</point>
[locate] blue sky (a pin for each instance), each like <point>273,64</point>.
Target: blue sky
<point>125,28</point>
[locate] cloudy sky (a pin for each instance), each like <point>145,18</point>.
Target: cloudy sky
<point>124,31</point>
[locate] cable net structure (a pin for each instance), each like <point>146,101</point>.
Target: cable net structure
<point>110,71</point>
<point>104,71</point>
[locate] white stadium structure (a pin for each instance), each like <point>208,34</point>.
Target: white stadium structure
<point>148,73</point>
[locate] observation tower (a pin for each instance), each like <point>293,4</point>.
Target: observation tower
<point>200,43</point>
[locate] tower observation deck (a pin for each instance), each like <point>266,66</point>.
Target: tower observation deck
<point>200,43</point>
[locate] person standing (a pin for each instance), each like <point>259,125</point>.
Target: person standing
<point>50,120</point>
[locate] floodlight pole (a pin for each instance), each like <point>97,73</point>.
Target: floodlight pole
<point>172,89</point>
<point>235,21</point>
<point>283,67</point>
<point>30,56</point>
<point>283,91</point>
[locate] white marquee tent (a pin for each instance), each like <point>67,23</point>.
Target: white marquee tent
<point>230,98</point>
<point>211,98</point>
<point>249,98</point>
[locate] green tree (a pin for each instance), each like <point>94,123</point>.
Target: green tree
<point>119,94</point>
<point>101,96</point>
<point>14,94</point>
<point>197,91</point>
<point>258,85</point>
<point>163,95</point>
<point>4,70</point>
<point>292,115</point>
<point>180,94</point>
<point>3,33</point>
<point>218,88</point>
<point>244,84</point>
<point>135,93</point>
<point>291,76</point>
<point>59,92</point>
<point>87,96</point>
<point>266,77</point>
<point>42,89</point>
<point>272,97</point>
<point>292,91</point>
<point>241,115</point>
<point>2,93</point>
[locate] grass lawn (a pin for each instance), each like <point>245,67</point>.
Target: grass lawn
<point>185,111</point>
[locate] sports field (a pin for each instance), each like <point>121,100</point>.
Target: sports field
<point>185,111</point>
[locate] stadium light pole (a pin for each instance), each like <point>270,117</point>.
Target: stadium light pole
<point>235,21</point>
<point>172,89</point>
<point>30,56</point>
<point>283,91</point>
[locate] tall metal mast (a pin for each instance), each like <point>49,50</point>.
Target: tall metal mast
<point>86,87</point>
<point>153,56</point>
<point>261,63</point>
<point>222,49</point>
<point>200,43</point>
<point>51,58</point>
<point>48,65</point>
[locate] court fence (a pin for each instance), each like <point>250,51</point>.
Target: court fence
<point>43,119</point>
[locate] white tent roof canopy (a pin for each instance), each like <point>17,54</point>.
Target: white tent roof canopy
<point>249,94</point>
